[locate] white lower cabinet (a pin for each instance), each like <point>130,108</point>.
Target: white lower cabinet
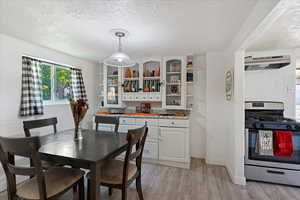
<point>151,150</point>
<point>173,144</point>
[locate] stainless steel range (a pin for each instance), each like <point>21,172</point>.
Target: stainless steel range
<point>262,116</point>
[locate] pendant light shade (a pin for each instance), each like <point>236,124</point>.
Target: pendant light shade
<point>119,59</point>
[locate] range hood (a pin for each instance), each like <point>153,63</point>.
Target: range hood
<point>263,63</point>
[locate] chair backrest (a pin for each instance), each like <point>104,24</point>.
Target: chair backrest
<point>29,146</point>
<point>135,137</point>
<point>32,124</point>
<point>107,120</point>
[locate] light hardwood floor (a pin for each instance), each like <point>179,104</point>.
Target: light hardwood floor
<point>202,182</point>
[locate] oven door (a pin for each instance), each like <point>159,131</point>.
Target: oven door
<point>253,158</point>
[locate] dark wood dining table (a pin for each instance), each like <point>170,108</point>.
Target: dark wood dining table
<point>91,152</point>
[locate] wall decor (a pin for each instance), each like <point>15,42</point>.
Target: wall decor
<point>229,85</point>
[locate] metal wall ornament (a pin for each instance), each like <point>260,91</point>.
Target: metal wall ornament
<point>229,80</point>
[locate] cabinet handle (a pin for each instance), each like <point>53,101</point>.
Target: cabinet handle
<point>275,172</point>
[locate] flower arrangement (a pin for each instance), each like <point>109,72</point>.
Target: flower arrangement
<point>79,109</point>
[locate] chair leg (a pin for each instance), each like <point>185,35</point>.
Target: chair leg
<point>110,191</point>
<point>81,189</point>
<point>124,193</point>
<point>139,187</point>
<point>74,189</point>
<point>88,188</point>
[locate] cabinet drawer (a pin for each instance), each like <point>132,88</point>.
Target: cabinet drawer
<point>173,123</point>
<point>273,175</point>
<point>125,128</point>
<point>127,121</point>
<point>105,127</point>
<point>151,150</point>
<point>150,122</point>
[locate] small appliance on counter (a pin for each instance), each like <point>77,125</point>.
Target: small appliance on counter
<point>272,144</point>
<point>145,108</point>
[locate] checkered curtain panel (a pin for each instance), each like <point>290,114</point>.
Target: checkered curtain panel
<point>77,85</point>
<point>31,97</point>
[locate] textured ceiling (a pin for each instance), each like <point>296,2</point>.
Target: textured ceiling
<point>157,27</point>
<point>283,34</point>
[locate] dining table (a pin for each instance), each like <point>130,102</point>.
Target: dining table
<point>90,152</point>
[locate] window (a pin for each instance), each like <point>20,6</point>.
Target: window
<point>55,83</point>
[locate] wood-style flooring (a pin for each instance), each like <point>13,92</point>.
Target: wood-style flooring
<point>201,182</point>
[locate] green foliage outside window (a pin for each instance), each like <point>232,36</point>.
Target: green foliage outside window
<point>61,82</point>
<point>46,81</point>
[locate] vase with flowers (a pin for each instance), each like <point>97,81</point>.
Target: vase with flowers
<point>79,109</point>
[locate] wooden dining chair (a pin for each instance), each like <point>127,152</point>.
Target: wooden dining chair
<point>44,184</point>
<point>40,123</point>
<point>33,124</point>
<point>120,174</point>
<point>107,120</point>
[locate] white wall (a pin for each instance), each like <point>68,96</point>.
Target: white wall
<point>261,17</point>
<point>198,114</point>
<point>11,51</point>
<point>216,107</point>
<point>273,85</point>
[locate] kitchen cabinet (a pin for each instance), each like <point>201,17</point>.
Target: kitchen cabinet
<point>166,80</point>
<point>174,89</point>
<point>112,87</point>
<point>174,140</point>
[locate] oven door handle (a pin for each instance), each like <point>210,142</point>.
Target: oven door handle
<point>275,172</point>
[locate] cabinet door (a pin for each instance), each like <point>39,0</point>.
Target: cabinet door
<point>151,150</point>
<point>174,90</point>
<point>112,87</point>
<point>172,144</point>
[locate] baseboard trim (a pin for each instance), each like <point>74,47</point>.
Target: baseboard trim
<point>213,162</point>
<point>238,180</point>
<point>168,163</point>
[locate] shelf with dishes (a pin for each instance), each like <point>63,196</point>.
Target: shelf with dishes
<point>175,83</point>
<point>151,76</point>
<point>189,81</point>
<point>142,82</point>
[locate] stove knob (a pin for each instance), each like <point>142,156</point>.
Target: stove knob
<point>297,127</point>
<point>261,126</point>
<point>288,127</point>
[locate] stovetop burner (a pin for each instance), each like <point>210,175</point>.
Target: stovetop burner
<point>270,118</point>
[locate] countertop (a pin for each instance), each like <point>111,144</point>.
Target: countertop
<point>149,116</point>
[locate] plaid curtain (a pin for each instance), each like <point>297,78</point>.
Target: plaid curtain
<point>77,85</point>
<point>31,96</point>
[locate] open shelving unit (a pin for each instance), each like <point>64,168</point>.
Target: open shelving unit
<point>189,83</point>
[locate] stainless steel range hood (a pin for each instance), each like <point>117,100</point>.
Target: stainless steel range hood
<point>264,63</point>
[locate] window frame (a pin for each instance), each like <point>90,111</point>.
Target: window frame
<point>53,100</point>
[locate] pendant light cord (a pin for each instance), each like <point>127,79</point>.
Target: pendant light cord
<point>120,44</point>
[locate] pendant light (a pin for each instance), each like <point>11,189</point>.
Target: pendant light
<point>119,59</point>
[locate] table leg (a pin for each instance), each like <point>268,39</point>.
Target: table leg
<point>95,182</point>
